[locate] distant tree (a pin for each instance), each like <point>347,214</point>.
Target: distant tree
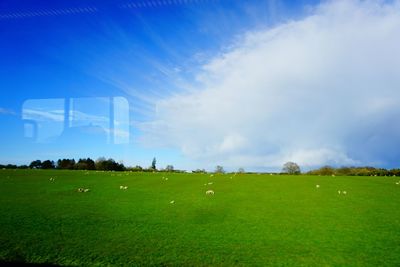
<point>11,166</point>
<point>90,164</point>
<point>219,169</point>
<point>137,168</point>
<point>169,168</point>
<point>66,164</point>
<point>344,171</point>
<point>85,164</point>
<point>100,164</point>
<point>108,165</point>
<point>240,170</point>
<point>199,171</point>
<point>36,164</point>
<point>395,172</point>
<point>48,164</point>
<point>291,168</point>
<point>153,164</point>
<point>325,170</point>
<point>23,167</point>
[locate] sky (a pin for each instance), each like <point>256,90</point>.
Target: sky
<point>200,83</point>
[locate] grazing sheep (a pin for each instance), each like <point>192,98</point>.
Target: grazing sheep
<point>172,202</point>
<point>52,179</point>
<point>209,192</point>
<point>212,175</point>
<point>83,190</point>
<point>210,183</point>
<point>339,192</point>
<point>398,183</point>
<point>344,192</point>
<point>333,175</point>
<point>317,186</point>
<point>123,187</point>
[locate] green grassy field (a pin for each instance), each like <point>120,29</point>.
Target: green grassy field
<point>252,220</point>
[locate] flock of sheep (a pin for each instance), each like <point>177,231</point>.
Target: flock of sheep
<point>124,187</point>
<point>208,192</point>
<point>339,191</point>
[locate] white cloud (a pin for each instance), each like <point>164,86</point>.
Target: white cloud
<point>316,91</point>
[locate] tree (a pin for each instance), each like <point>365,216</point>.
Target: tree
<point>291,168</point>
<point>137,168</point>
<point>240,170</point>
<point>36,164</point>
<point>48,164</point>
<point>325,170</point>
<point>169,168</point>
<point>153,164</point>
<point>219,169</point>
<point>67,164</point>
<point>85,164</point>
<point>103,164</point>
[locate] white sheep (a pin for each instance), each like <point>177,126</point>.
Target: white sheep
<point>209,192</point>
<point>212,175</point>
<point>317,186</point>
<point>344,192</point>
<point>83,190</point>
<point>210,183</point>
<point>339,192</point>
<point>172,202</point>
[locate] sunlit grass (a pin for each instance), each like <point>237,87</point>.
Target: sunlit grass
<point>251,219</point>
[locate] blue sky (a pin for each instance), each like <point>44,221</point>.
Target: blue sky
<point>198,83</point>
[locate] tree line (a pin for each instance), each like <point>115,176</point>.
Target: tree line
<point>355,171</point>
<point>103,164</point>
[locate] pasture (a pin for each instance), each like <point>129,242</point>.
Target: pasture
<point>250,220</point>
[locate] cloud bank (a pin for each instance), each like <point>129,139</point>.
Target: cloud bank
<point>321,90</point>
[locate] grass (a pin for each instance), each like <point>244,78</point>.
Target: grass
<point>252,220</point>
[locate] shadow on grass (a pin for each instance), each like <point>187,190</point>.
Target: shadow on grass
<point>24,264</point>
